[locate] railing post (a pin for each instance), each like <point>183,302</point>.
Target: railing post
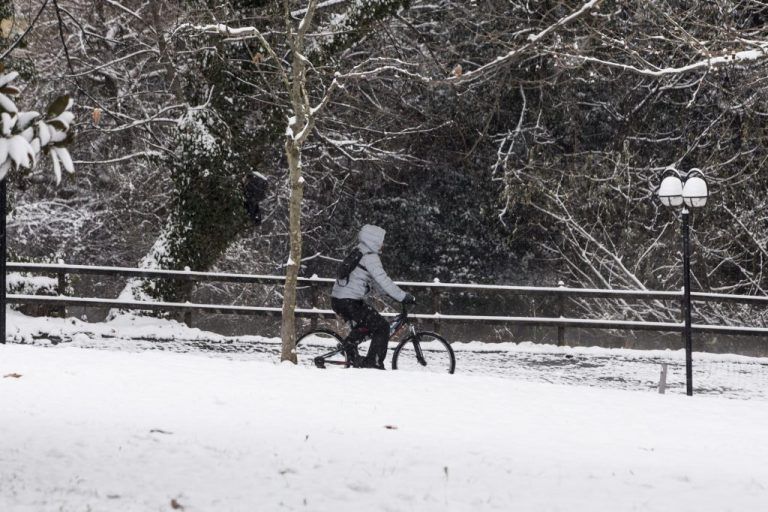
<point>188,317</point>
<point>313,302</point>
<point>436,305</point>
<point>663,379</point>
<point>189,286</point>
<point>560,313</point>
<point>61,288</point>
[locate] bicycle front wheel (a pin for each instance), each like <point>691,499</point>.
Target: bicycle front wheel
<point>322,344</point>
<point>424,352</point>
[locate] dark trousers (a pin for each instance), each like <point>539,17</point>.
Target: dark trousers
<point>364,315</point>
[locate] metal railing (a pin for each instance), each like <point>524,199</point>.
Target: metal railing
<point>560,294</point>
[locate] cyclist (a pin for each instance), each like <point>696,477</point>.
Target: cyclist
<point>348,296</point>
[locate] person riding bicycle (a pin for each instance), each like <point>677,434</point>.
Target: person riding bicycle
<point>348,296</point>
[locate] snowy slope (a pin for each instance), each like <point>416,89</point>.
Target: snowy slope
<point>125,431</point>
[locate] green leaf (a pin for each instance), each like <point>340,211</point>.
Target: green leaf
<point>58,125</point>
<point>58,106</point>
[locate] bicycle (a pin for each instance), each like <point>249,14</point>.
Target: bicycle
<point>419,350</point>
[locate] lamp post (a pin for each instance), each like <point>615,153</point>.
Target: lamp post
<point>688,190</point>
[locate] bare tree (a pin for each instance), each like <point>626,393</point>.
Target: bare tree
<point>609,95</point>
<point>302,112</point>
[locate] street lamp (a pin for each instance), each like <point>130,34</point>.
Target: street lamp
<point>688,190</point>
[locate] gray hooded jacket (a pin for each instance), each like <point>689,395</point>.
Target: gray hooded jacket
<point>371,239</point>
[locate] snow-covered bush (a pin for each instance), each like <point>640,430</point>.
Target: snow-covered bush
<point>26,284</point>
<point>22,283</point>
<point>207,202</point>
<point>26,135</point>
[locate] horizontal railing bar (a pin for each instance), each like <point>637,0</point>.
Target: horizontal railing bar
<point>521,290</point>
<point>159,306</point>
<point>727,297</point>
<point>276,311</point>
<point>147,273</point>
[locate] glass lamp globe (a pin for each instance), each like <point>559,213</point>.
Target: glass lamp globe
<point>671,191</point>
<point>695,192</point>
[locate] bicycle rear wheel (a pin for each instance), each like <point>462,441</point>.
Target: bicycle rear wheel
<point>424,352</point>
<point>325,344</point>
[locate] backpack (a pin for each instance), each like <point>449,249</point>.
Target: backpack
<point>349,264</point>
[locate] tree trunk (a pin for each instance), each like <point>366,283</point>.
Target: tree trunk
<point>288,330</point>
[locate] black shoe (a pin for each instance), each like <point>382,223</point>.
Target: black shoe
<point>365,362</point>
<point>352,356</point>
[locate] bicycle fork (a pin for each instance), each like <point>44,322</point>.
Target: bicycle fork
<point>419,353</point>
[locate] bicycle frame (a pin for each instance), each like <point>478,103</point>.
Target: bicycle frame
<point>395,326</point>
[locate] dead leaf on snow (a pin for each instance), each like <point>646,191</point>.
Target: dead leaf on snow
<point>390,427</point>
<point>175,505</point>
<point>12,375</point>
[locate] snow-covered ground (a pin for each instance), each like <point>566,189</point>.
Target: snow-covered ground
<point>132,429</point>
<point>136,431</point>
<point>725,375</point>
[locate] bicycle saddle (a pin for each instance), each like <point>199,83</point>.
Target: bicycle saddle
<point>361,329</point>
<point>357,331</point>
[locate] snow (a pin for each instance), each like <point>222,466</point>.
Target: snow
<point>220,28</point>
<point>125,326</point>
<point>115,430</point>
<point>320,5</point>
<point>30,285</point>
<point>726,375</point>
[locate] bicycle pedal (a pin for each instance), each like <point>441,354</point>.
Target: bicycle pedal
<point>320,362</point>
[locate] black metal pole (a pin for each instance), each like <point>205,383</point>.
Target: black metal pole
<point>687,305</point>
<point>2,259</point>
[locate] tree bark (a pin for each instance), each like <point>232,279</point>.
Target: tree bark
<point>288,329</point>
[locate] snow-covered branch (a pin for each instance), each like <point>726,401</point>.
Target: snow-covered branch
<point>521,50</point>
<point>113,62</point>
<point>397,67</point>
<point>123,8</point>
<point>320,5</point>
<point>142,154</point>
<point>740,57</point>
<point>228,31</point>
